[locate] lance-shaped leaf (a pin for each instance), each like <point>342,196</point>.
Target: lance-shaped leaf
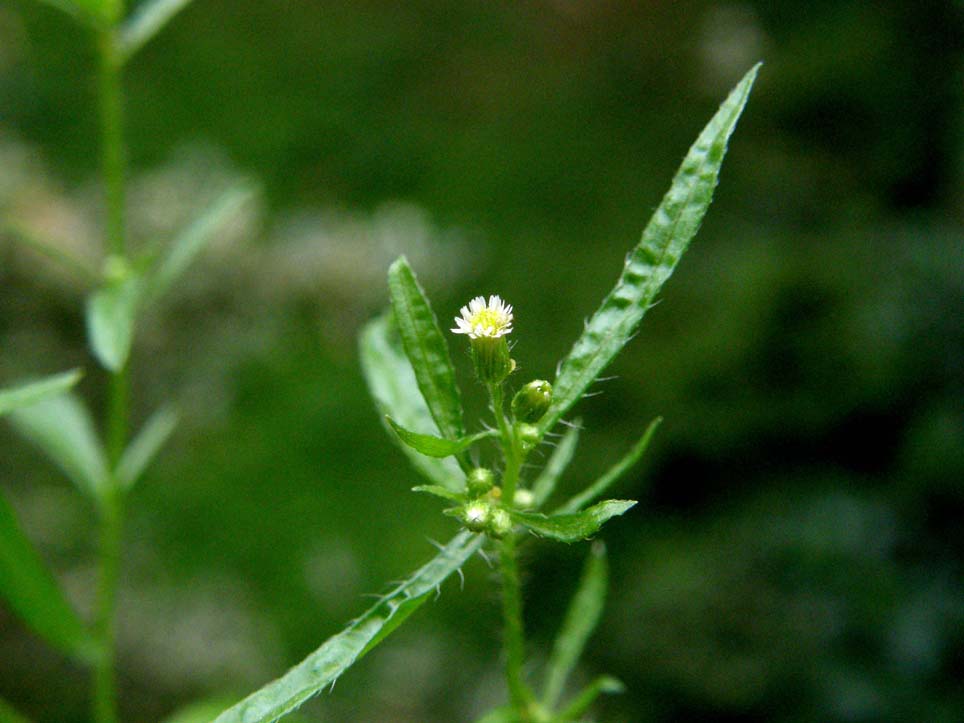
<point>145,446</point>
<point>63,429</point>
<point>325,665</point>
<point>392,383</point>
<point>24,395</point>
<point>145,22</point>
<point>598,488</point>
<point>191,242</point>
<point>33,594</point>
<point>433,446</point>
<point>426,348</point>
<point>111,312</point>
<point>545,483</point>
<point>574,527</point>
<point>580,704</point>
<point>652,261</point>
<point>581,619</point>
<point>206,710</point>
<point>444,492</point>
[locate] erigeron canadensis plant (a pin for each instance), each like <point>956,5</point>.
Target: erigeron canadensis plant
<point>408,366</point>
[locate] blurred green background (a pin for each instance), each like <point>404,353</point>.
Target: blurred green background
<point>798,552</point>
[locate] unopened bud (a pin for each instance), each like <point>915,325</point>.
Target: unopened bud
<point>524,499</point>
<point>500,524</point>
<point>491,358</point>
<point>476,516</point>
<point>532,401</point>
<point>479,481</point>
<point>528,435</point>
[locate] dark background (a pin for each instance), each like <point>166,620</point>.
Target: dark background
<point>797,553</point>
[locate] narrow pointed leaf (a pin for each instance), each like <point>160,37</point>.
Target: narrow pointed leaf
<point>145,446</point>
<point>145,22</point>
<point>433,446</point>
<point>206,710</point>
<point>191,242</point>
<point>581,703</point>
<point>32,592</point>
<point>581,619</point>
<point>598,488</point>
<point>652,261</point>
<point>426,348</point>
<point>63,429</point>
<point>392,383</point>
<point>24,395</point>
<point>545,483</point>
<point>53,252</point>
<point>111,311</point>
<point>334,657</point>
<point>444,492</point>
<point>574,527</point>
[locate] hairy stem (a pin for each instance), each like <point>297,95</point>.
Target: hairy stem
<point>110,96</point>
<point>514,632</point>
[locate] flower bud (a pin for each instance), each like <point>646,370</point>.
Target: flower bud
<point>500,524</point>
<point>532,401</point>
<point>491,358</point>
<point>524,499</point>
<point>528,435</point>
<point>479,481</point>
<point>476,516</point>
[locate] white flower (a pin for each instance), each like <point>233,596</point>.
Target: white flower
<point>480,320</point>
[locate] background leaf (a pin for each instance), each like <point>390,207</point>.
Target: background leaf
<point>598,488</point>
<point>545,484</point>
<point>337,654</point>
<point>392,384</point>
<point>145,446</point>
<point>111,311</point>
<point>580,704</point>
<point>444,492</point>
<point>191,242</point>
<point>652,261</point>
<point>33,593</point>
<point>426,348</point>
<point>433,446</point>
<point>24,395</point>
<point>581,619</point>
<point>9,715</point>
<point>145,22</point>
<point>573,527</point>
<point>63,429</point>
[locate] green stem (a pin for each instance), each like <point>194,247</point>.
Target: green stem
<point>110,95</point>
<point>110,98</point>
<point>519,693</point>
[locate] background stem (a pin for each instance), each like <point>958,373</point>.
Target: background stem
<point>110,96</point>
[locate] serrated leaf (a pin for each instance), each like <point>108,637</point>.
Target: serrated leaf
<point>191,241</point>
<point>62,428</point>
<point>33,593</point>
<point>580,704</point>
<point>573,527</point>
<point>545,483</point>
<point>334,657</point>
<point>426,349</point>
<point>581,619</point>
<point>29,393</point>
<point>598,488</point>
<point>392,384</point>
<point>111,311</point>
<point>651,262</point>
<point>145,22</point>
<point>433,446</point>
<point>444,492</point>
<point>145,446</point>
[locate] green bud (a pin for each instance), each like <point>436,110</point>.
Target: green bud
<point>500,524</point>
<point>479,481</point>
<point>528,435</point>
<point>491,358</point>
<point>116,269</point>
<point>532,401</point>
<point>476,515</point>
<point>524,499</point>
